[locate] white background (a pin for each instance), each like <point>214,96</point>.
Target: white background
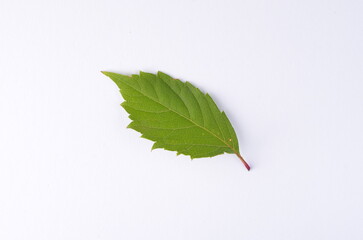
<point>289,74</point>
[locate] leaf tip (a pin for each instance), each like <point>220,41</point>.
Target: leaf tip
<point>105,73</point>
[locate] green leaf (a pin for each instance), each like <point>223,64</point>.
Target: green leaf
<point>176,115</point>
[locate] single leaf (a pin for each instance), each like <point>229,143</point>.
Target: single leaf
<point>176,115</point>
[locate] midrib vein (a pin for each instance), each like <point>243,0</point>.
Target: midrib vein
<point>205,129</point>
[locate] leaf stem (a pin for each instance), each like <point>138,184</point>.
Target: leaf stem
<point>243,161</point>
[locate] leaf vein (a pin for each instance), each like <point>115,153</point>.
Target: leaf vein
<point>202,127</point>
<point>167,84</point>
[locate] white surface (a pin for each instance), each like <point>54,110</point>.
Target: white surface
<point>289,74</point>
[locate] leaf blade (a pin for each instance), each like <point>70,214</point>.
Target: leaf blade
<point>175,115</point>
